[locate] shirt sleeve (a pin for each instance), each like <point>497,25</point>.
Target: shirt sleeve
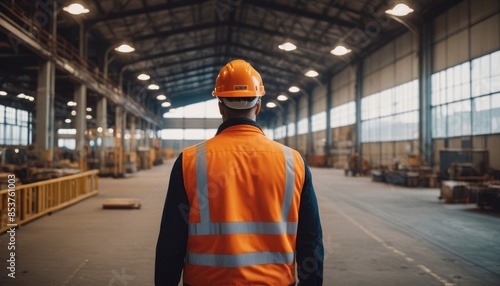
<point>310,252</point>
<point>172,239</point>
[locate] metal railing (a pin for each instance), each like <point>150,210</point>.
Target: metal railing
<point>32,201</point>
<point>62,47</point>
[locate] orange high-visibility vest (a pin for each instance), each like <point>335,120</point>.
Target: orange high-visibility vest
<point>244,194</point>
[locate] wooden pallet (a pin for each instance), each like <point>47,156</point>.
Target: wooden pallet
<point>122,203</point>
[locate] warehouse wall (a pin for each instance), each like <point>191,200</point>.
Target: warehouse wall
<point>302,137</point>
<point>465,32</point>
<point>394,64</point>
<point>343,92</point>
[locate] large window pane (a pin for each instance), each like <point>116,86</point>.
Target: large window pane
<point>302,128</point>
<point>291,129</point>
<point>495,113</point>
<point>481,115</point>
<point>318,121</point>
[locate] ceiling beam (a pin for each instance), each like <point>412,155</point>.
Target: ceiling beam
<point>303,13</point>
<point>169,5</point>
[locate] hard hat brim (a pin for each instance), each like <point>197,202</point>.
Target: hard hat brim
<point>239,104</point>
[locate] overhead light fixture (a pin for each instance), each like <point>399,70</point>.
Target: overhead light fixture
<point>340,51</point>
<point>166,104</point>
<point>30,98</point>
<point>153,87</point>
<point>88,116</point>
<point>271,104</point>
<point>73,112</point>
<point>124,48</point>
<point>161,97</point>
<point>99,129</point>
<point>110,130</point>
<point>71,103</point>
<point>143,76</point>
<point>21,95</point>
<point>287,47</point>
<point>311,73</point>
<point>67,120</point>
<point>76,9</point>
<point>282,97</point>
<point>294,89</point>
<point>3,93</point>
<point>89,109</point>
<point>400,10</point>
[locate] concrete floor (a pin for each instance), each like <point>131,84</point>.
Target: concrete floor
<point>374,234</point>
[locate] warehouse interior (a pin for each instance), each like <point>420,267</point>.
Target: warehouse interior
<point>402,93</point>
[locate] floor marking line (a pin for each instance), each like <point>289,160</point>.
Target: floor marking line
<point>393,249</point>
<point>75,272</point>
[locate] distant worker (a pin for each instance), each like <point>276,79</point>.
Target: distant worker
<point>240,208</point>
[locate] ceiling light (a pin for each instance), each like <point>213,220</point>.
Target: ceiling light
<point>73,112</point>
<point>311,73</point>
<point>166,104</point>
<point>340,51</point>
<point>76,9</point>
<point>67,120</point>
<point>30,98</point>
<point>3,93</point>
<point>282,97</point>
<point>110,130</point>
<point>88,116</point>
<point>294,89</point>
<point>271,105</point>
<point>99,129</point>
<point>124,48</point>
<point>143,76</point>
<point>71,103</point>
<point>21,95</point>
<point>153,87</point>
<point>287,47</point>
<point>161,97</point>
<point>89,109</point>
<point>400,10</point>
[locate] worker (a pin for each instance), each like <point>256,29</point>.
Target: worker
<point>240,208</point>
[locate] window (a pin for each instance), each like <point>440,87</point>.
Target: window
<point>343,115</point>
<point>206,109</point>
<point>390,115</point>
<point>318,121</point>
<point>291,129</point>
<point>302,126</point>
<point>14,126</point>
<point>463,99</point>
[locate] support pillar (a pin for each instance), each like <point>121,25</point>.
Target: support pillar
<point>102,127</point>
<point>132,133</point>
<point>297,113</point>
<point>80,97</point>
<point>119,131</point>
<point>329,137</point>
<point>358,95</point>
<point>45,131</point>
<point>310,139</point>
<point>425,118</point>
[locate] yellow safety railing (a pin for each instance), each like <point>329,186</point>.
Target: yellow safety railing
<point>32,201</point>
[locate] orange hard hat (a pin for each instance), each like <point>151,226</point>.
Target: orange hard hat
<point>238,79</point>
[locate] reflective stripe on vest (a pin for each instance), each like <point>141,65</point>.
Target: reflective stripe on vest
<point>206,227</point>
<point>238,260</point>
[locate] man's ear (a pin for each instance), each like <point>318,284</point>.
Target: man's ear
<point>259,105</point>
<point>221,108</point>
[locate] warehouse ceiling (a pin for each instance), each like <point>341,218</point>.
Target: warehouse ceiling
<point>182,44</point>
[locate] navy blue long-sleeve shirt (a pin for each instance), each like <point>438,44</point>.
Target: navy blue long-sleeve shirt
<point>172,240</point>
